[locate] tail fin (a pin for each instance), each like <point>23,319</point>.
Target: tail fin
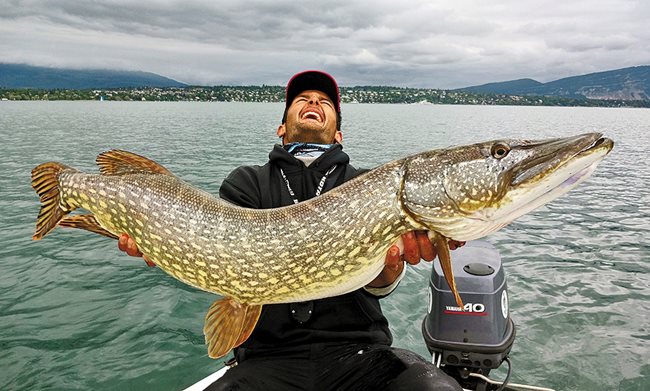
<point>45,180</point>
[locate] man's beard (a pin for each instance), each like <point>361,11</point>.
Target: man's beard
<point>307,133</point>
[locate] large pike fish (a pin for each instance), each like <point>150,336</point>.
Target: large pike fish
<point>327,246</point>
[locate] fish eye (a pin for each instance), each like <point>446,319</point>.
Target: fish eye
<point>500,150</point>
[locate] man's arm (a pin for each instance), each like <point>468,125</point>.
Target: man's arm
<point>241,188</point>
<point>417,247</point>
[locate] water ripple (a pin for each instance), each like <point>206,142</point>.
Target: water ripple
<point>76,314</point>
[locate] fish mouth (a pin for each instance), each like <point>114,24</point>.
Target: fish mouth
<point>593,154</point>
<point>559,167</point>
<point>553,154</point>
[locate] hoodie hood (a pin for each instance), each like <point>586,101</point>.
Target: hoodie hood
<point>288,162</point>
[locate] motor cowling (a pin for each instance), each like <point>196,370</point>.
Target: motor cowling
<point>478,337</point>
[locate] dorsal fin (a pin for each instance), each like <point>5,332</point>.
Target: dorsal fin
<point>118,162</point>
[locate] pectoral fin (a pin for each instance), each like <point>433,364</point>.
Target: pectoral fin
<point>87,222</point>
<point>442,245</point>
<point>228,324</point>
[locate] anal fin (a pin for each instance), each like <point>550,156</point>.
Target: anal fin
<point>228,324</point>
<point>442,245</point>
<point>87,222</point>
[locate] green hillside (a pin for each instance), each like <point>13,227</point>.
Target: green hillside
<point>620,84</point>
<point>15,76</point>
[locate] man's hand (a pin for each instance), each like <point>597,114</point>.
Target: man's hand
<point>128,245</point>
<point>417,246</point>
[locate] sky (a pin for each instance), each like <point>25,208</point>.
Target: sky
<point>428,44</point>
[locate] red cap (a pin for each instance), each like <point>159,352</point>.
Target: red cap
<point>313,80</point>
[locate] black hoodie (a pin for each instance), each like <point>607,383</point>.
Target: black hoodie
<point>355,317</point>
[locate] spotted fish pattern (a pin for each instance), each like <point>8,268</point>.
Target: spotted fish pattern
<point>330,245</point>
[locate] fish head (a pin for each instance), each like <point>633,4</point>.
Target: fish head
<point>468,192</point>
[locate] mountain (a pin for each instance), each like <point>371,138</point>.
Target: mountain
<point>625,84</point>
<point>504,87</point>
<point>27,76</point>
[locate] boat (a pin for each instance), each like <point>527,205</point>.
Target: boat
<point>466,343</point>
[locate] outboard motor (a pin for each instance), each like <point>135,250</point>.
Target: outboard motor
<point>473,340</point>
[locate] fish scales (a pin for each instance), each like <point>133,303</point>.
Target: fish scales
<point>163,209</point>
<point>327,246</point>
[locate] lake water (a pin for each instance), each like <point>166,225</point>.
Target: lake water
<point>76,314</point>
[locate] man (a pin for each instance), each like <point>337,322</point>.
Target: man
<point>338,343</point>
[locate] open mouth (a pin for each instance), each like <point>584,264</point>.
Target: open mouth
<point>311,115</point>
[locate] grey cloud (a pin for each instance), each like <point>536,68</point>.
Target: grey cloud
<point>428,43</point>
<point>584,43</point>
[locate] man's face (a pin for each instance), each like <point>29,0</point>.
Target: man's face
<point>311,118</point>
